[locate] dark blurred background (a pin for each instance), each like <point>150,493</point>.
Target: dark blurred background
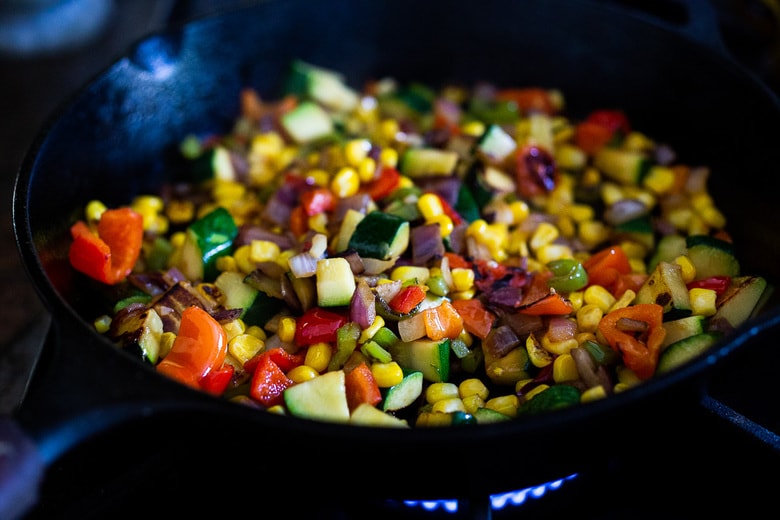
<point>50,48</point>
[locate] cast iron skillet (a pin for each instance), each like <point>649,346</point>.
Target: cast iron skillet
<point>118,136</point>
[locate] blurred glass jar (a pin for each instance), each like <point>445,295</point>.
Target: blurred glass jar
<point>34,27</point>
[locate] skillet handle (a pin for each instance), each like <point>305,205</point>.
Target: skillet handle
<point>724,412</point>
<point>21,470</point>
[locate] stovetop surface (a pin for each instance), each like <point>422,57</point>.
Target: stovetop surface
<point>711,467</point>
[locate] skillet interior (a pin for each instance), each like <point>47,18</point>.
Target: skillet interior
<point>119,136</point>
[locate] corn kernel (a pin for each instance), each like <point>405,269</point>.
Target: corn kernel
<point>576,300</point>
<point>473,128</point>
<point>263,251</point>
<point>233,328</point>
<point>429,205</point>
<point>433,419</point>
<point>417,273</point>
<point>345,183</point>
<point>368,333</point>
<point>257,332</point>
<point>226,191</point>
<point>318,177</point>
<point>473,386</point>
<point>462,278</point>
<point>286,330</point>
<point>538,389</point>
<point>588,317</point>
<point>367,169</point>
<point>687,267</point>
<point>600,297</point>
<point>319,222</point>
<point>593,394</point>
<point>611,193</point>
<point>520,211</point>
<point>388,157</point>
<point>450,405</point>
<point>102,324</point>
<point>703,301</point>
<point>558,347</point>
<point>389,129</point>
<point>446,226</point>
<point>627,376</point>
<point>472,403</point>
<point>243,347</point>
<point>438,391</point>
<point>387,374</point>
<point>551,252</point>
<point>713,217</point>
<point>302,373</point>
<point>318,356</point>
<point>538,356</point>
<point>544,234</point>
<point>355,150</point>
<point>505,404</point>
<point>565,369</point>
<point>593,232</point>
<point>624,301</point>
<point>319,245</point>
<point>659,180</point>
<point>94,210</point>
<point>180,211</point>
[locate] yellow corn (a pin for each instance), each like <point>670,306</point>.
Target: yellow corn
<point>318,177</point>
<point>420,274</point>
<point>318,356</point>
<point>242,258</point>
<point>558,347</point>
<point>659,180</point>
<point>243,347</point>
<point>319,222</point>
<point>588,317</point>
<point>445,224</point>
<point>550,252</point>
<point>536,390</point>
<point>286,330</point>
<point>450,405</point>
<point>599,296</point>
<point>544,234</point>
<point>473,128</point>
<point>611,193</point>
<point>180,211</point>
<point>505,404</point>
<point>145,203</point>
<point>319,245</point>
<point>565,369</point>
<point>520,211</point>
<point>355,150</point>
<point>472,403</point>
<point>389,129</point>
<point>102,323</point>
<point>627,377</point>
<point>713,217</point>
<point>166,342</point>
<point>263,251</point>
<point>367,169</point>
<point>345,183</point>
<point>439,391</point>
<point>624,301</point>
<point>225,191</point>
<point>302,373</point>
<point>576,299</point>
<point>94,210</point>
<point>257,332</point>
<point>387,374</point>
<point>592,394</point>
<point>429,205</point>
<point>388,157</point>
<point>703,301</point>
<point>593,232</point>
<point>688,269</point>
<point>462,278</point>
<point>233,328</point>
<point>539,356</point>
<point>473,386</point>
<point>368,333</point>
<point>426,419</point>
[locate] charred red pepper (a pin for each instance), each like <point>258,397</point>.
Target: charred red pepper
<point>636,332</point>
<point>110,254</point>
<point>283,359</point>
<point>318,325</point>
<point>719,284</point>
<point>407,299</point>
<point>384,185</point>
<point>608,268</point>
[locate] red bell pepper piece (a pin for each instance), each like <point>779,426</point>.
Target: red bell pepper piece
<point>477,319</point>
<point>407,299</point>
<point>605,267</point>
<point>640,350</point>
<point>528,99</point>
<point>613,120</point>
<point>719,284</point>
<point>299,221</point>
<point>110,254</point>
<point>384,185</point>
<point>361,387</point>
<point>442,321</point>
<point>553,304</point>
<point>200,347</point>
<point>283,359</point>
<point>318,325</point>
<point>450,212</point>
<point>216,381</point>
<point>590,136</point>
<point>268,382</point>
<point>317,200</point>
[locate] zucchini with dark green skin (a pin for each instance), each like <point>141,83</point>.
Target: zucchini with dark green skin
<point>380,235</point>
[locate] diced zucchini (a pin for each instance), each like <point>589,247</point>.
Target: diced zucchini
<point>367,415</point>
<point>627,167</point>
<point>404,393</point>
<point>236,294</point>
<point>321,398</point>
<point>711,256</point>
<point>667,249</point>
<point>140,333</point>
<point>682,328</point>
<point>666,287</point>
<point>684,350</point>
<point>214,163</point>
<point>496,144</point>
<point>425,162</point>
<point>335,282</point>
<point>307,122</point>
<point>325,86</point>
<point>206,239</point>
<point>488,415</point>
<point>740,300</point>
<point>431,357</point>
<point>380,235</point>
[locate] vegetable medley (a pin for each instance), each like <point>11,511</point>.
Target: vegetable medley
<point>407,256</point>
